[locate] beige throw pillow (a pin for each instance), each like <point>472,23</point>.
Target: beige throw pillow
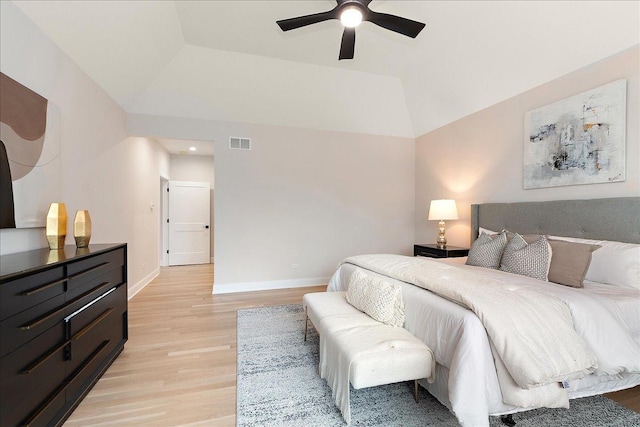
<point>569,262</point>
<point>615,263</point>
<point>378,298</point>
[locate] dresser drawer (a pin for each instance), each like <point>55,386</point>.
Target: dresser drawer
<point>27,325</point>
<point>33,371</point>
<point>86,269</point>
<point>95,333</point>
<point>20,294</point>
<point>112,299</point>
<point>88,370</point>
<point>26,415</point>
<point>81,291</point>
<point>101,321</point>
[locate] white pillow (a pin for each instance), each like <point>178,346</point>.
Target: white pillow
<point>615,263</point>
<point>378,298</point>
<point>486,231</point>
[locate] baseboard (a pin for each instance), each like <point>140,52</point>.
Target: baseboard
<point>227,288</point>
<point>133,290</point>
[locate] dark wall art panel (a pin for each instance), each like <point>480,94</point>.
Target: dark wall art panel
<point>29,155</point>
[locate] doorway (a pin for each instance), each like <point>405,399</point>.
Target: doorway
<point>189,161</point>
<point>189,228</point>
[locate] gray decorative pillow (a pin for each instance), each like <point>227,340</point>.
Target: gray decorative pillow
<point>525,259</point>
<point>487,252</point>
<point>378,298</point>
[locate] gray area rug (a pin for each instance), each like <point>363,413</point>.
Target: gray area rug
<point>279,385</point>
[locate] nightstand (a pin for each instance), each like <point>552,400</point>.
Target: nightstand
<point>433,251</point>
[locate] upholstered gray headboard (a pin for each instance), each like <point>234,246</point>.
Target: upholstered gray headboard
<point>615,219</point>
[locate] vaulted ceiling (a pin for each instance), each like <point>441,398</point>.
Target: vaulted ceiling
<point>228,60</point>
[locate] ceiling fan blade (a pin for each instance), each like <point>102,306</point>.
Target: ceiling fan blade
<point>398,24</point>
<point>348,45</point>
<point>303,21</point>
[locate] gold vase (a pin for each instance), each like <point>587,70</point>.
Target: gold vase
<point>56,225</point>
<point>82,228</point>
<point>55,256</point>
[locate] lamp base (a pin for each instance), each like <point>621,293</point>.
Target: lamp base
<point>442,240</point>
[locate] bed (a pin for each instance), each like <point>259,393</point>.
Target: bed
<point>467,373</point>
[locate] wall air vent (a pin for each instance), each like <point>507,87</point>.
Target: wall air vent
<point>239,143</point>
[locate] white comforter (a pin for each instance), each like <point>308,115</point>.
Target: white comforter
<point>466,379</point>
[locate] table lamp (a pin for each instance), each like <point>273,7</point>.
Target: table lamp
<point>442,210</point>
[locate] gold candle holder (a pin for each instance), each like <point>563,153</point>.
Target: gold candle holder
<point>56,225</point>
<point>82,228</point>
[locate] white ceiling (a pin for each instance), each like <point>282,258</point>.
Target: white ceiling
<point>228,60</point>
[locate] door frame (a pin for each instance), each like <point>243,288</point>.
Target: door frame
<point>164,227</point>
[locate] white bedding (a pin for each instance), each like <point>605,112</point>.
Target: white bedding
<point>466,379</point>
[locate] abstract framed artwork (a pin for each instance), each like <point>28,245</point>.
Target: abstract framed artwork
<point>577,140</point>
<point>29,155</point>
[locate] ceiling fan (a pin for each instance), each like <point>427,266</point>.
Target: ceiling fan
<point>351,13</point>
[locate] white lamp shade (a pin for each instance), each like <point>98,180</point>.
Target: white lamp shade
<point>443,209</point>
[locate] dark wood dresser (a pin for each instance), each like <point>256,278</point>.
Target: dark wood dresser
<point>63,321</point>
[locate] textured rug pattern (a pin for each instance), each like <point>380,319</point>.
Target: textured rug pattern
<point>279,385</point>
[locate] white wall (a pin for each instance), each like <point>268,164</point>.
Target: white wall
<point>479,158</point>
<point>195,168</point>
<point>300,196</point>
<point>113,176</point>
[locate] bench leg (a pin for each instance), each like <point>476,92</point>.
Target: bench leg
<point>415,390</point>
<point>306,322</point>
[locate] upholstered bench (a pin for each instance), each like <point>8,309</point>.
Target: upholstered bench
<point>356,349</point>
<point>319,305</point>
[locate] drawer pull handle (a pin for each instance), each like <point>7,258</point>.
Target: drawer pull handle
<point>31,421</point>
<point>89,304</point>
<point>42,319</point>
<point>90,359</point>
<point>42,288</point>
<point>84,295</point>
<point>33,418</point>
<point>35,365</point>
<point>92,324</point>
<point>88,270</point>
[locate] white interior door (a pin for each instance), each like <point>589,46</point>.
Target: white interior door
<point>189,228</point>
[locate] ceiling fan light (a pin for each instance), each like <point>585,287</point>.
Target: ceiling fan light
<point>351,17</point>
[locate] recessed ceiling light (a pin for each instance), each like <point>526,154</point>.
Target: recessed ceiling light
<point>192,148</point>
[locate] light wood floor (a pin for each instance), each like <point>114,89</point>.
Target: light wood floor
<point>179,366</point>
